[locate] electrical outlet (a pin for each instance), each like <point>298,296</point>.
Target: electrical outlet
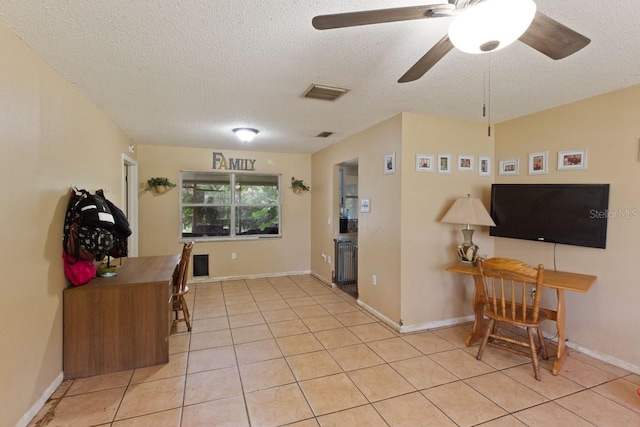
<point>324,256</point>
<point>374,280</point>
<point>234,255</point>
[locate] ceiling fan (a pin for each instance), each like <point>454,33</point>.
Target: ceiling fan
<point>479,26</point>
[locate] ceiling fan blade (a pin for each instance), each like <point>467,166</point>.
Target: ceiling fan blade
<point>553,39</point>
<point>430,59</point>
<point>352,19</point>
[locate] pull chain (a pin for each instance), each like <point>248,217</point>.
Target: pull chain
<point>488,67</point>
<point>484,87</point>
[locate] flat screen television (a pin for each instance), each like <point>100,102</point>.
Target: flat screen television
<point>571,214</point>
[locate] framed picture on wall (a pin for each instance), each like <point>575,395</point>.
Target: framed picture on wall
<point>465,163</point>
<point>390,163</point>
<point>424,162</point>
<point>538,163</point>
<point>484,166</point>
<point>572,159</point>
<point>444,163</point>
<point>509,167</point>
<point>365,205</point>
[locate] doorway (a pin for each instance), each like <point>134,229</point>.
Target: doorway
<point>346,242</point>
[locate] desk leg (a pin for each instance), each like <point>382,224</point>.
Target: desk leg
<point>562,348</point>
<point>479,325</point>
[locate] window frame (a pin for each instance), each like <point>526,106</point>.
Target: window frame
<point>232,204</point>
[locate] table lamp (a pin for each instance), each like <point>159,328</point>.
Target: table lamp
<point>468,211</point>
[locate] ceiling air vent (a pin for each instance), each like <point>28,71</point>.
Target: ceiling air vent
<point>327,93</point>
<point>324,134</point>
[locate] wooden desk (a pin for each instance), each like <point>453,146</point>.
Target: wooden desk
<point>117,323</point>
<point>559,280</point>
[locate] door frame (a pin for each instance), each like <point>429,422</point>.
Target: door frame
<point>130,192</point>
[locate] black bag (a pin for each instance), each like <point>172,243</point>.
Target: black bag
<point>96,241</point>
<point>88,223</point>
<point>121,223</point>
<point>93,211</point>
<point>120,248</point>
<point>121,232</point>
<point>70,218</point>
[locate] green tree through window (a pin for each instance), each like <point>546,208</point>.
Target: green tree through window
<point>218,205</point>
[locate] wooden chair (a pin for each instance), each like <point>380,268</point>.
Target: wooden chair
<point>508,286</point>
<point>180,287</point>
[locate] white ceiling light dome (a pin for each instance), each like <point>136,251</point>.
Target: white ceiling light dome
<point>245,134</point>
<point>491,25</point>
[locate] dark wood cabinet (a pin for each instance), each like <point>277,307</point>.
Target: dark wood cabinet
<point>122,322</point>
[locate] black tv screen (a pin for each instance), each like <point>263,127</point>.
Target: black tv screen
<point>571,214</point>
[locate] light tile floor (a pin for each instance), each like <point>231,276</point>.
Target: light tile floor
<point>291,351</point>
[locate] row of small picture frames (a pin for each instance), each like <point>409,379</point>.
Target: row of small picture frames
<point>464,163</point>
<point>538,163</point>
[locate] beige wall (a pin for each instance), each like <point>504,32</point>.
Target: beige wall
<point>160,217</point>
<point>430,294</point>
<point>51,138</point>
<point>606,320</point>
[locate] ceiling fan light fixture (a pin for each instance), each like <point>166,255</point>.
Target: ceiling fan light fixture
<point>245,134</point>
<point>491,25</point>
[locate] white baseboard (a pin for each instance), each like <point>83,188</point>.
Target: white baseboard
<point>418,327</point>
<point>202,279</point>
<point>323,280</point>
<point>436,324</point>
<point>596,355</point>
<point>379,315</point>
<point>604,358</point>
<point>39,404</point>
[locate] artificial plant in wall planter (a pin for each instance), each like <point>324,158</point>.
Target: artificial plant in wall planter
<point>160,184</point>
<point>298,186</point>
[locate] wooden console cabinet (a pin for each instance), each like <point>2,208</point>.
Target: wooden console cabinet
<point>122,322</point>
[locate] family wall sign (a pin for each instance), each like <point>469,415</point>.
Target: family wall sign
<point>220,162</point>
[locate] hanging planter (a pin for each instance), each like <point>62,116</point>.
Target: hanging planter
<point>161,189</point>
<point>160,185</point>
<point>298,186</point>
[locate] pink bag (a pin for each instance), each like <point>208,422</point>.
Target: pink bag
<point>78,272</point>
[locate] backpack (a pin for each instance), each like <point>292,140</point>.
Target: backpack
<point>121,231</point>
<point>94,240</point>
<point>121,223</point>
<point>93,211</point>
<point>88,222</point>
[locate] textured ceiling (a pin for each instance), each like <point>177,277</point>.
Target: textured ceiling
<point>185,72</point>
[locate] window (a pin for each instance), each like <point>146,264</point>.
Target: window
<point>218,205</point>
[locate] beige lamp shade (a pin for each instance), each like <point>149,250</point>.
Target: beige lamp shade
<point>468,210</point>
